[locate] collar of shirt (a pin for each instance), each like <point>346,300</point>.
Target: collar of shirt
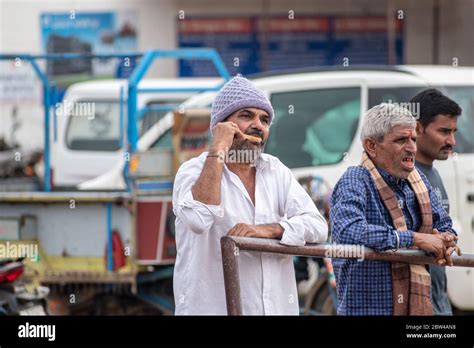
<point>423,165</point>
<point>391,180</point>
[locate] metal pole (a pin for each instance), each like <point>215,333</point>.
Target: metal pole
<point>110,260</point>
<point>46,106</point>
<point>231,246</point>
<point>55,116</point>
<point>341,251</point>
<point>121,97</point>
<point>134,80</point>
<point>47,153</point>
<point>230,264</point>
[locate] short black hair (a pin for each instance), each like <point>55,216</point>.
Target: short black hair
<point>432,103</point>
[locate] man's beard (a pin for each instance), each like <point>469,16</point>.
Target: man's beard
<point>443,154</point>
<point>247,151</point>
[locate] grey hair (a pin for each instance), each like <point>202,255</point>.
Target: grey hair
<point>381,118</point>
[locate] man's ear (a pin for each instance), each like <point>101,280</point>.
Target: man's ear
<point>419,128</point>
<point>370,146</point>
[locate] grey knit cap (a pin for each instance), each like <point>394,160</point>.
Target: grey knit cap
<point>238,93</point>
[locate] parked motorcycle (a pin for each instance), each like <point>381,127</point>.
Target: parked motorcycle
<point>15,298</point>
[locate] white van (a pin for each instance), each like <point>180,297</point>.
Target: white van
<point>89,134</point>
<point>316,133</point>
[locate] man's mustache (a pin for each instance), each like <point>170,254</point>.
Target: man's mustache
<point>447,147</point>
<point>255,132</point>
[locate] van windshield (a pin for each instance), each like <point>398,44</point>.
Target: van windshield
<point>313,128</point>
<point>94,130</point>
<point>94,125</point>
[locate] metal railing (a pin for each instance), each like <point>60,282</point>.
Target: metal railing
<point>231,246</point>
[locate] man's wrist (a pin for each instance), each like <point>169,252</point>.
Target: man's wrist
<point>415,239</point>
<point>216,152</point>
<point>279,231</point>
<point>403,239</point>
<point>217,149</point>
<point>220,156</point>
<point>275,231</point>
<point>397,243</point>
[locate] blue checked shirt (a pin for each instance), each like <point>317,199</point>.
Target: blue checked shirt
<point>358,216</point>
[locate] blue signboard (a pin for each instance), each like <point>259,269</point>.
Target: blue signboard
<point>89,32</point>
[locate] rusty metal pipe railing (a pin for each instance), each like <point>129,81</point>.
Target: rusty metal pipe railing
<point>231,246</point>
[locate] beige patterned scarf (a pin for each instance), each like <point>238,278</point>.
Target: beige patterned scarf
<point>411,284</point>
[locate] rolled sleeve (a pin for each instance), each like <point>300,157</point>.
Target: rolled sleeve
<point>304,223</point>
<point>406,239</point>
<point>199,217</point>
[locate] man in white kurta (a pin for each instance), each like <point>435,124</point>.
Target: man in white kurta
<point>214,196</point>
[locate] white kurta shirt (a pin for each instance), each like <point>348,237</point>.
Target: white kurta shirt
<point>267,281</point>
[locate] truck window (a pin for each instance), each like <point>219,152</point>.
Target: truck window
<point>165,141</point>
<point>97,131</point>
<point>463,95</point>
<point>313,128</point>
<point>152,117</point>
